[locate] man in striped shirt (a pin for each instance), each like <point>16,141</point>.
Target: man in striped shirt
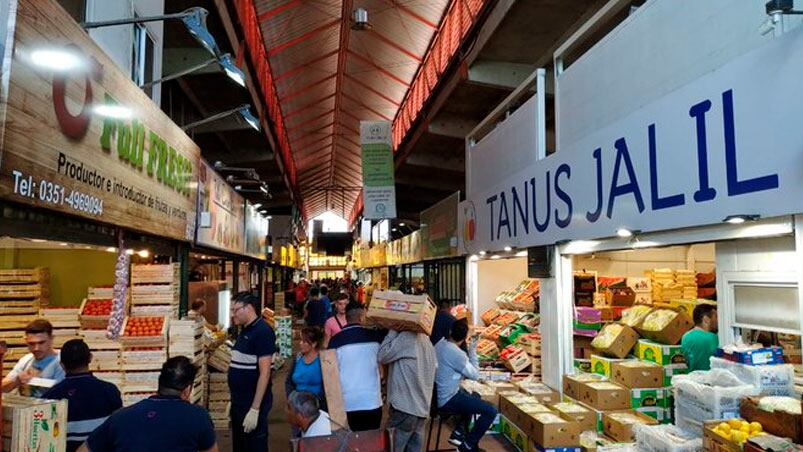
<point>89,400</point>
<point>249,376</point>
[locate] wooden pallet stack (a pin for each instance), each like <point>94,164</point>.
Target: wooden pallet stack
<point>22,293</point>
<point>219,398</point>
<point>144,350</point>
<point>186,338</point>
<point>65,323</point>
<point>155,290</point>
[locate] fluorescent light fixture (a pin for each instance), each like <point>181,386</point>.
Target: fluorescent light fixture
<point>63,243</point>
<point>269,217</point>
<point>144,253</point>
<point>111,249</point>
<point>59,60</point>
<point>483,253</point>
<point>231,70</point>
<point>245,113</point>
<point>522,253</point>
<point>238,187</point>
<point>257,205</point>
<point>496,256</point>
<point>37,240</point>
<point>394,230</point>
<point>113,111</point>
<point>129,251</point>
<point>739,219</point>
<point>473,258</point>
<point>625,233</point>
<point>508,248</point>
<point>644,244</point>
<point>580,246</point>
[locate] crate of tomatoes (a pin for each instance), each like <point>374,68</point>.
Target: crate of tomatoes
<point>144,332</point>
<point>94,314</point>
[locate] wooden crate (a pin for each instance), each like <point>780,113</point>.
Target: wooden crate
<point>142,360</point>
<point>92,322</point>
<point>147,381</point>
<point>34,424</point>
<point>145,341</point>
<point>101,293</point>
<point>167,310</point>
<point>19,307</point>
<point>97,340</point>
<point>16,322</point>
<point>24,275</point>
<point>154,274</point>
<point>61,317</point>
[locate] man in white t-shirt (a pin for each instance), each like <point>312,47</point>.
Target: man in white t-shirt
<point>40,369</point>
<point>304,414</point>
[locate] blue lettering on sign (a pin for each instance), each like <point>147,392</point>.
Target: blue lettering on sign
<point>623,169</point>
<point>563,222</point>
<point>735,186</point>
<point>657,202</point>
<point>622,155</point>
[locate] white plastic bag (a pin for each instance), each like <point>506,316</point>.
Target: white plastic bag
<point>775,380</point>
<point>666,438</point>
<point>708,395</point>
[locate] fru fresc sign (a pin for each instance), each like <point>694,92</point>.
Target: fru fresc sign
<point>727,143</point>
<point>80,138</point>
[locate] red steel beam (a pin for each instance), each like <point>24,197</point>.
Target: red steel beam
<point>305,37</point>
<point>412,14</point>
<point>395,46</point>
<point>342,54</point>
<point>383,71</point>
<point>306,65</point>
<point>365,85</point>
<point>311,120</point>
<point>300,110</point>
<point>310,134</point>
<point>306,88</point>
<point>278,10</point>
<point>360,103</point>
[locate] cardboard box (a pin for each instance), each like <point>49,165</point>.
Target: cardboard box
<point>550,430</point>
<point>519,408</point>
<point>662,415</point>
<point>663,355</point>
<point>672,370</point>
<point>715,443</point>
<point>571,383</point>
<point>621,345</point>
<point>636,374</point>
<point>649,398</point>
<point>603,366</point>
<point>778,423</point>
<point>513,433</point>
<point>583,365</point>
<point>578,413</point>
<point>605,395</point>
<point>671,333</point>
<point>596,414</point>
<point>615,425</point>
<point>398,311</point>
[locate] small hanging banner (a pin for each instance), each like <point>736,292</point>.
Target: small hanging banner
<point>379,189</point>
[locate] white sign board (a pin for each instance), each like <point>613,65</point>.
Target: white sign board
<point>729,142</point>
<point>379,189</point>
<point>512,145</point>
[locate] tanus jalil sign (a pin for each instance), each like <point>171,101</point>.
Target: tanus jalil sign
<point>80,138</point>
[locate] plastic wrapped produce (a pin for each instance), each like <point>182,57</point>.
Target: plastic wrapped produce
<point>606,337</point>
<point>774,403</point>
<point>633,316</point>
<point>771,380</point>
<point>666,438</point>
<point>709,395</point>
<point>658,319</point>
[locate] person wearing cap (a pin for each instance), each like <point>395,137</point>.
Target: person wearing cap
<point>164,422</point>
<point>250,376</point>
<point>90,400</point>
<point>39,370</point>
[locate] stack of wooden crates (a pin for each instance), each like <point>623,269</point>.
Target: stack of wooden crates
<point>155,290</point>
<point>186,338</point>
<point>105,352</point>
<point>22,293</point>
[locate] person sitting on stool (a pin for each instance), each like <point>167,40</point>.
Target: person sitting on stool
<point>453,366</point>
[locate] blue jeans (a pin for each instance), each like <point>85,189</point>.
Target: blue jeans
<point>467,405</point>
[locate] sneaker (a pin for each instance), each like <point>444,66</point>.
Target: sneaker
<point>456,439</point>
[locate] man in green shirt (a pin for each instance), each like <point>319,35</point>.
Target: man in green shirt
<point>700,344</point>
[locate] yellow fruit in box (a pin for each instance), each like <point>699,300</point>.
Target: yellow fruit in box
<point>724,428</point>
<point>658,320</point>
<point>739,437</point>
<point>607,336</point>
<point>756,428</point>
<point>735,424</point>
<point>726,436</point>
